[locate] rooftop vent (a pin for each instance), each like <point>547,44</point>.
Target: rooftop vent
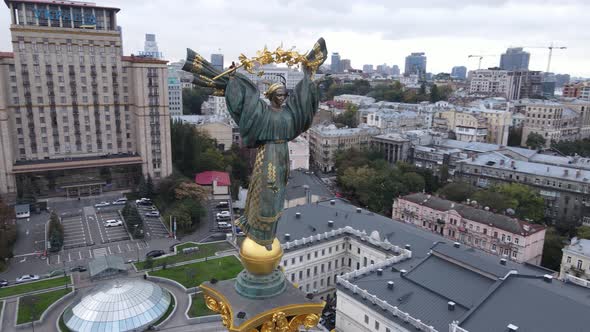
<point>359,210</point>
<point>512,328</point>
<point>548,278</point>
<point>287,236</point>
<point>379,272</point>
<point>332,202</point>
<point>402,272</point>
<point>487,208</point>
<point>297,215</point>
<point>503,261</point>
<point>456,244</point>
<point>451,305</point>
<point>330,223</point>
<point>390,284</point>
<point>408,247</point>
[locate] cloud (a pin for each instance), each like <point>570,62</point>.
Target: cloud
<point>378,31</point>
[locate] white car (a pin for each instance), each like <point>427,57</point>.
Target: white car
<point>152,214</point>
<point>27,277</point>
<point>223,225</point>
<point>223,214</point>
<point>113,223</point>
<point>102,204</point>
<point>120,201</point>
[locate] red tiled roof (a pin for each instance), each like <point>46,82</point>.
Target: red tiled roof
<point>207,178</point>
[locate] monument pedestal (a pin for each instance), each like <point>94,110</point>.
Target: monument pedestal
<point>286,312</point>
<point>260,299</point>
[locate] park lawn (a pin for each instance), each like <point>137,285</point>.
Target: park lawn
<point>192,275</point>
<point>198,307</point>
<point>33,286</point>
<point>205,250</point>
<point>42,302</point>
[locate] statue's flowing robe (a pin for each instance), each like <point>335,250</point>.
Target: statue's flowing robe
<point>268,130</point>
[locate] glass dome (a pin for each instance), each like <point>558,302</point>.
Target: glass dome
<point>118,305</point>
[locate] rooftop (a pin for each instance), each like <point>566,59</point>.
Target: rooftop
<point>61,3</point>
<point>580,246</point>
<point>332,130</point>
<point>506,223</point>
<point>207,178</point>
<point>499,161</point>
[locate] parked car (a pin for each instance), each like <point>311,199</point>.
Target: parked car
<point>113,223</point>
<point>3,283</point>
<point>144,201</point>
<point>102,204</point>
<point>223,225</point>
<point>222,205</point>
<point>27,277</point>
<point>223,214</point>
<point>153,214</point>
<point>78,268</point>
<point>120,201</point>
<point>155,253</point>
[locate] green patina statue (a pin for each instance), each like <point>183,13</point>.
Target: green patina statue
<point>265,127</point>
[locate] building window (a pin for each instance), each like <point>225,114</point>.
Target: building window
<point>579,264</point>
<point>569,259</point>
<point>285,262</point>
<point>376,326</point>
<point>366,319</point>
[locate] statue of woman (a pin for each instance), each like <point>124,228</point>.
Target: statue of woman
<point>267,128</point>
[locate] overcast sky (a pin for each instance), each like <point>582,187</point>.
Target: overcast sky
<point>367,32</point>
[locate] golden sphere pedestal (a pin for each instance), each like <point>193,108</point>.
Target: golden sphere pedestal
<point>257,259</point>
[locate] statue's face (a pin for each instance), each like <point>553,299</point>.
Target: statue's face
<point>278,98</point>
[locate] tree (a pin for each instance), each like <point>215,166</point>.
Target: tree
<point>434,94</point>
<point>552,249</point>
<point>514,136</point>
<point>193,99</point>
<point>8,232</point>
<point>496,201</point>
<point>570,148</point>
<point>55,233</point>
<point>527,203</point>
<point>583,232</point>
<point>457,191</point>
<point>348,118</point>
<point>190,190</point>
<point>535,141</point>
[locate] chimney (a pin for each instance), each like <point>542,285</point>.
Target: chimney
<point>297,215</point>
<point>402,272</point>
<point>473,158</point>
<point>379,272</point>
<point>451,305</point>
<point>547,169</point>
<point>408,247</point>
<point>390,284</point>
<point>565,172</point>
<point>330,223</point>
<point>503,261</point>
<point>548,278</point>
<point>332,202</point>
<point>512,328</point>
<point>359,210</point>
<point>512,163</point>
<point>287,236</point>
<point>456,244</point>
<point>307,194</point>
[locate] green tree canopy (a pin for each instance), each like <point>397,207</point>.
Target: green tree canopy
<point>514,136</point>
<point>193,99</point>
<point>457,191</point>
<point>348,118</point>
<point>552,249</point>
<point>535,141</point>
<point>570,148</point>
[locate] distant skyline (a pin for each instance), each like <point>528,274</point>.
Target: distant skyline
<point>366,32</point>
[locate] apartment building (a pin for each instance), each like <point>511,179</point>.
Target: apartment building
<point>467,126</point>
<point>564,189</point>
<point>493,233</point>
<point>175,96</point>
<point>523,84</point>
<point>389,120</point>
<point>577,90</point>
<point>325,141</point>
<point>543,118</point>
<point>575,262</point>
<point>488,82</point>
<point>76,116</point>
<point>388,276</point>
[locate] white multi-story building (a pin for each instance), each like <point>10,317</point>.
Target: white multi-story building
<point>391,276</point>
<point>488,82</point>
<point>299,153</point>
<point>273,74</point>
<point>174,96</point>
<point>388,120</point>
<point>575,261</point>
<point>357,100</point>
<point>215,105</point>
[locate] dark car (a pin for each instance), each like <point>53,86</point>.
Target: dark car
<point>155,253</point>
<point>3,283</point>
<point>78,268</point>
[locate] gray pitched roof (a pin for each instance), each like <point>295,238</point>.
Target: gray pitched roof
<point>103,263</point>
<point>506,223</point>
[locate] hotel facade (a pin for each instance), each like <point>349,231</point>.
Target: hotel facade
<point>76,116</point>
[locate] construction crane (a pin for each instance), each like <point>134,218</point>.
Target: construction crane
<point>480,56</point>
<point>550,47</point>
